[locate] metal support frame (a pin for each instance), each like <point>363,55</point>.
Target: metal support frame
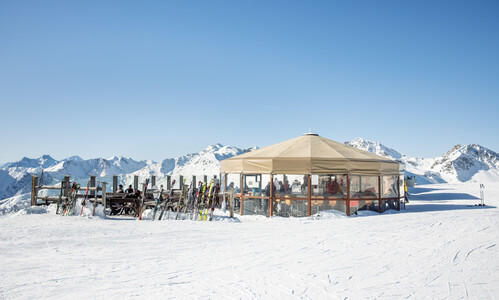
<point>242,192</point>
<point>348,195</point>
<point>309,194</point>
<point>380,202</point>
<point>398,193</point>
<point>272,196</point>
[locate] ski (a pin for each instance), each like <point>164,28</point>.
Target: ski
<point>196,201</point>
<point>59,202</point>
<point>72,199</point>
<point>210,199</point>
<point>158,200</point>
<point>142,205</point>
<point>84,202</point>
<point>165,202</point>
<point>201,204</point>
<point>216,189</point>
<point>180,199</point>
<point>190,196</point>
<point>206,204</point>
<point>95,199</point>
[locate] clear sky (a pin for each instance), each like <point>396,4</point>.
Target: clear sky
<point>158,79</point>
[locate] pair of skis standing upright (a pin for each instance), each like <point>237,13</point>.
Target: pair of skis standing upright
<point>68,204</point>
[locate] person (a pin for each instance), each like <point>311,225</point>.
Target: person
<point>276,185</point>
<point>287,188</point>
<point>281,187</point>
<point>129,190</point>
<point>267,190</point>
<point>120,189</point>
<point>336,188</point>
<point>330,186</point>
<point>295,186</point>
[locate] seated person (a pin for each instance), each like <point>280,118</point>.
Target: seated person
<point>129,190</point>
<point>120,189</point>
<point>369,192</point>
<point>336,188</point>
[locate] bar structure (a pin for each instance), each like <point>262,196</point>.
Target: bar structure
<point>308,174</point>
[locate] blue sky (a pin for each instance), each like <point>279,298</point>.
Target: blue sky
<point>157,79</point>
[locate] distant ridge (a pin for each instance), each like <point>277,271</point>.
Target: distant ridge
<point>468,163</point>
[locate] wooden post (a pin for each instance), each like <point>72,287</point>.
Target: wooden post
<point>34,189</point>
<point>104,198</point>
<point>115,183</point>
<point>135,182</point>
<point>379,195</point>
<point>205,178</point>
<point>153,181</point>
<point>168,182</point>
<point>271,198</point>
<point>181,183</point>
<point>309,194</point>
<point>348,195</point>
<point>231,203</point>
<point>242,189</point>
<point>67,187</point>
<point>194,185</point>
<point>92,184</point>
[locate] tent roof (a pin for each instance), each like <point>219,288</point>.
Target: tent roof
<point>310,153</point>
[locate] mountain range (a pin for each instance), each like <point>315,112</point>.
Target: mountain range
<point>460,164</point>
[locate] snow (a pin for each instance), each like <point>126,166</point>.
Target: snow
<point>441,246</point>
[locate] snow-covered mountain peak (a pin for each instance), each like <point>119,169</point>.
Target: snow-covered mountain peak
<point>74,157</point>
<point>43,161</point>
<point>213,148</point>
<point>374,147</point>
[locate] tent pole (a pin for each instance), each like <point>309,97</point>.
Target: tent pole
<point>398,192</point>
<point>242,189</point>
<point>348,194</point>
<point>271,199</point>
<point>309,194</point>
<point>379,195</point>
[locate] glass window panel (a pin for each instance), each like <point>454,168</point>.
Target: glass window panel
<point>389,186</point>
<point>256,185</point>
<point>234,180</point>
<point>321,205</point>
<point>293,186</point>
<point>290,208</point>
<point>334,186</point>
<point>252,206</point>
<point>364,186</point>
<point>356,205</point>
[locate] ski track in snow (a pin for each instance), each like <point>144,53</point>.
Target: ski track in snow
<point>438,248</point>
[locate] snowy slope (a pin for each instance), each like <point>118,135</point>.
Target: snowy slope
<point>439,248</point>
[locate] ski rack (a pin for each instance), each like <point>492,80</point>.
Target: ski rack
<point>105,198</point>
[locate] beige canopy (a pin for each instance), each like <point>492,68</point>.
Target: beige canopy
<point>310,154</point>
